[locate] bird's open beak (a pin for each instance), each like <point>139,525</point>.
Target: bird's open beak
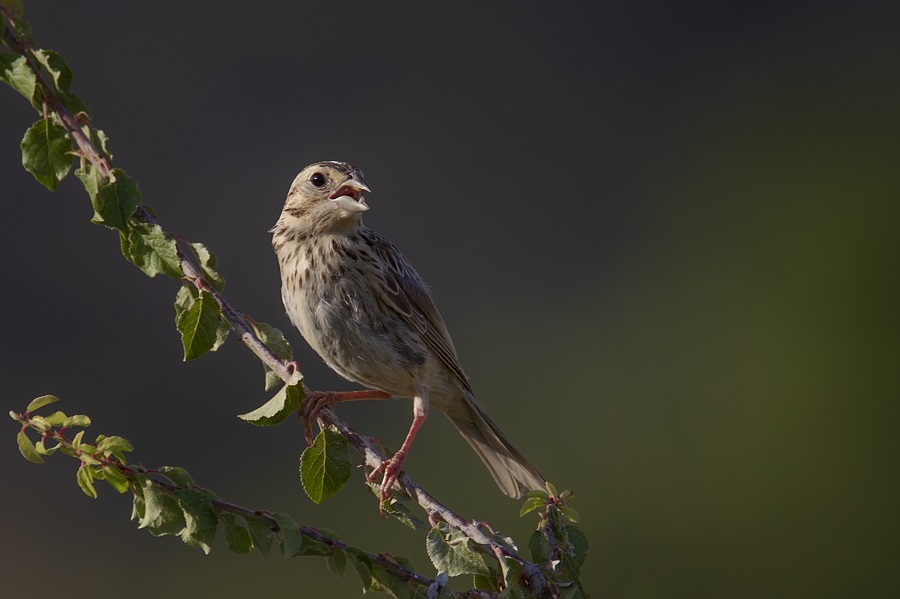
<point>349,195</point>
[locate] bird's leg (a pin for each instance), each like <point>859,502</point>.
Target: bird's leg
<point>317,400</point>
<point>391,466</point>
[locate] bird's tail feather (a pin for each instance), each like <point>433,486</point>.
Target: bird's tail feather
<point>513,473</point>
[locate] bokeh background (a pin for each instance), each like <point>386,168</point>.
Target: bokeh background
<point>663,235</point>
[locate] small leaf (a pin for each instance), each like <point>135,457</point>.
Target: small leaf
<point>62,78</point>
<point>578,544</point>
<point>274,411</point>
<point>209,264</point>
<point>114,445</point>
<point>15,71</point>
<point>261,533</point>
<point>450,552</point>
<point>531,504</point>
<point>102,141</point>
<point>116,479</point>
<point>274,340</point>
<point>45,153</point>
<point>223,329</point>
<point>27,449</point>
<point>387,581</point>
<point>42,450</point>
<point>86,481</point>
<point>325,465</point>
<point>291,539</point>
<point>363,565</point>
<point>153,250</point>
<point>198,325</point>
<point>41,423</point>
<point>116,200</point>
<point>79,420</point>
<point>76,440</point>
<point>201,522</point>
<point>486,582</point>
<point>57,418</point>
<point>570,514</point>
<point>162,514</point>
<point>337,562</point>
<point>179,476</point>
<point>40,402</point>
<point>539,547</point>
<point>236,534</point>
<point>396,507</point>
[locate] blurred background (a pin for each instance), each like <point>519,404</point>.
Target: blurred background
<point>663,236</point>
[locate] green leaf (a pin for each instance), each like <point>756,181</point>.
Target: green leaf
<point>396,507</point>
<point>337,562</point>
<point>223,329</point>
<point>79,420</point>
<point>275,341</point>
<point>363,565</point>
<point>450,552</point>
<point>113,445</point>
<point>578,544</point>
<point>15,71</point>
<point>325,465</point>
<point>41,423</point>
<point>116,479</point>
<point>115,201</point>
<point>86,481</point>
<point>45,153</point>
<point>570,514</point>
<point>386,581</point>
<point>27,449</point>
<point>153,250</point>
<point>42,450</point>
<point>162,514</point>
<point>531,504</point>
<point>236,534</point>
<point>102,140</point>
<point>209,264</point>
<point>201,522</point>
<point>57,418</point>
<point>539,547</point>
<point>274,411</point>
<point>291,539</point>
<point>261,533</point>
<point>485,582</point>
<point>76,440</point>
<point>39,402</point>
<point>62,78</point>
<point>179,476</point>
<point>198,325</point>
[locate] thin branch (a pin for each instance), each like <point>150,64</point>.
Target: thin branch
<point>537,582</point>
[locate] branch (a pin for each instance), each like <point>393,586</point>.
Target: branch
<point>128,216</point>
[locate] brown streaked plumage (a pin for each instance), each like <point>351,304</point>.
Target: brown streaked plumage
<point>361,306</point>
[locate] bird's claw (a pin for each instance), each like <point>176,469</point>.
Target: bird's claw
<point>390,470</point>
<point>314,403</point>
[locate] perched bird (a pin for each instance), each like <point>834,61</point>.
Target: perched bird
<point>363,308</point>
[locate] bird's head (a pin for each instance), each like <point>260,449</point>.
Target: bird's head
<point>325,197</point>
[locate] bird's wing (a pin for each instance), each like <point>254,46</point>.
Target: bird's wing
<point>402,289</point>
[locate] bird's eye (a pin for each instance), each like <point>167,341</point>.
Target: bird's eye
<point>318,179</point>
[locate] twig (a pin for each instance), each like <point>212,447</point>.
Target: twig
<point>537,582</point>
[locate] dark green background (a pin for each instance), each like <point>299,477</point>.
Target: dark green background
<point>663,235</point>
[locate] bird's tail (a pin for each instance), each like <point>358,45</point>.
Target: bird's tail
<point>513,473</point>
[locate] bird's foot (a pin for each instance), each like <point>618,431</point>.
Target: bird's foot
<point>390,471</point>
<point>314,403</point>
<point>317,401</point>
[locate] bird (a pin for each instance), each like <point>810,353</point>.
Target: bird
<point>360,305</point>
